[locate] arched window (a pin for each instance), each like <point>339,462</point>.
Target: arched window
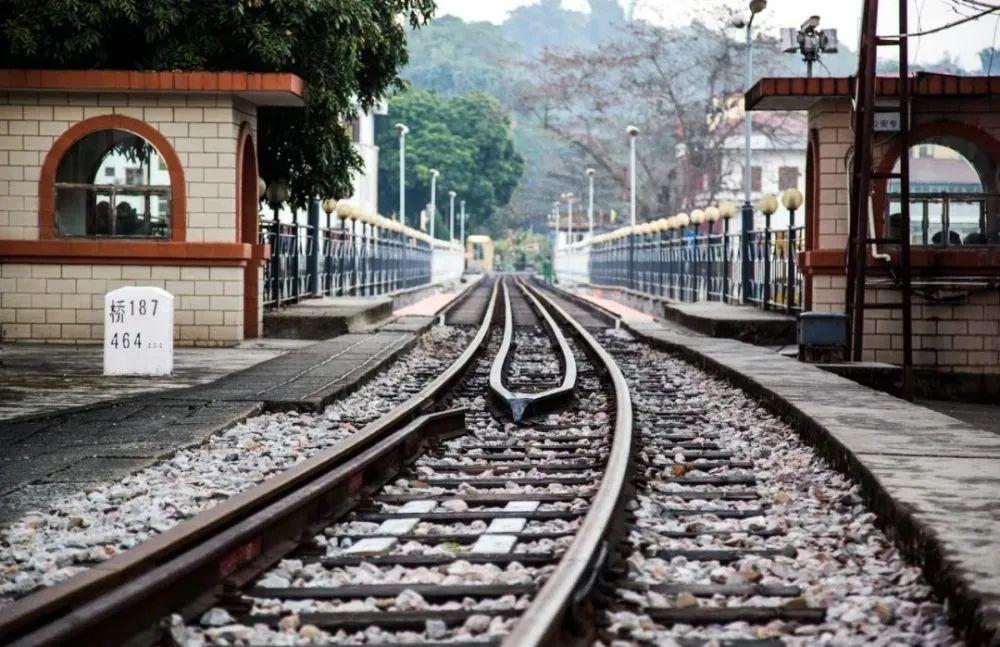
<point>952,200</point>
<point>112,183</point>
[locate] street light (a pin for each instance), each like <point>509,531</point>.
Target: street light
<point>756,6</point>
<point>590,203</point>
<point>434,177</point>
<point>402,130</point>
<point>632,133</point>
<point>451,216</point>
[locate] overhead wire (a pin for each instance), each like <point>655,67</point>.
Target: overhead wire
<point>955,23</point>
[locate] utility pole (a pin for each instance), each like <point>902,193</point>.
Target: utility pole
<point>451,216</point>
<point>590,203</point>
<point>434,177</point>
<point>402,130</point>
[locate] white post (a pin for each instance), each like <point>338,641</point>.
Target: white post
<point>569,229</point>
<point>590,203</point>
<point>463,223</point>
<point>451,216</point>
<point>403,130</point>
<point>434,177</point>
<point>632,132</point>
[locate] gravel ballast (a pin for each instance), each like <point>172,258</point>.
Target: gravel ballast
<point>830,546</point>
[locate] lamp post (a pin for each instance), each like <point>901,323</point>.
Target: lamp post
<point>451,216</point>
<point>276,194</point>
<point>791,199</point>
<point>633,132</point>
<point>590,202</point>
<point>767,205</point>
<point>756,6</point>
<point>402,130</point>
<point>434,177</point>
<point>568,197</point>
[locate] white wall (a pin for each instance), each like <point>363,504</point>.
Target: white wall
<point>447,262</point>
<point>571,264</point>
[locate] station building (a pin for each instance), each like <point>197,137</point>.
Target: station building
<point>955,214</point>
<point>110,178</point>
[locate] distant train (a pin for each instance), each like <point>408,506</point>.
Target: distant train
<point>479,254</point>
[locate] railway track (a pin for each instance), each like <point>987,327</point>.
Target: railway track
<point>508,501</point>
<point>447,517</point>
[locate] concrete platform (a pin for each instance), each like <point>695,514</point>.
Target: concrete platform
<point>933,480</point>
<point>326,318</point>
<point>42,456</point>
<point>745,323</point>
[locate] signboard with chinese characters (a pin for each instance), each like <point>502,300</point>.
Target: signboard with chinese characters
<point>886,122</point>
<point>138,331</point>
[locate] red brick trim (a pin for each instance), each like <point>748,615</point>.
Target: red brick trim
<point>93,252</point>
<point>799,93</point>
<point>246,225</point>
<point>942,128</point>
<point>46,183</point>
<point>132,81</point>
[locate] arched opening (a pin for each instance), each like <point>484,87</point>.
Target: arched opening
<point>111,176</point>
<point>247,223</point>
<point>954,190</point>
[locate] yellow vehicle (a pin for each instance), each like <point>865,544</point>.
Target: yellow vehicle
<point>479,254</point>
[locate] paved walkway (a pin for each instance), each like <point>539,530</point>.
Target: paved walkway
<point>933,480</point>
<point>50,456</point>
<point>41,378</point>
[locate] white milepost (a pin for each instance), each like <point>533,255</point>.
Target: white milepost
<point>138,331</point>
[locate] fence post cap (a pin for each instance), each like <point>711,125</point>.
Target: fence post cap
<point>792,199</point>
<point>767,205</point>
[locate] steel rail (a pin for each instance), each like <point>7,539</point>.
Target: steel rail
<point>523,404</point>
<point>552,609</point>
<point>58,606</point>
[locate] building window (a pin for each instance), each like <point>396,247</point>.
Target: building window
<point>756,178</point>
<point>130,199</point>
<point>788,177</point>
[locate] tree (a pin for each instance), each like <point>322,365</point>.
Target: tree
<point>679,86</point>
<point>453,58</point>
<point>349,53</point>
<point>467,139</point>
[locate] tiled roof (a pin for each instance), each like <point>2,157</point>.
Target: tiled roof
<point>802,93</point>
<point>259,88</point>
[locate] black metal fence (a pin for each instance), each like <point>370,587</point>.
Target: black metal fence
<point>683,265</point>
<point>349,258</point>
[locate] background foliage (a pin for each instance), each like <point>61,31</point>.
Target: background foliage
<point>467,138</point>
<point>348,52</point>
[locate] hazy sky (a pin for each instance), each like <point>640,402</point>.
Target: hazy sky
<point>844,15</point>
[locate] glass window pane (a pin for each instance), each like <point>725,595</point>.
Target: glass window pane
<point>113,183</point>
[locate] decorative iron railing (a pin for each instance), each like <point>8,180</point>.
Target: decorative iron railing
<point>688,266</point>
<point>350,257</point>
